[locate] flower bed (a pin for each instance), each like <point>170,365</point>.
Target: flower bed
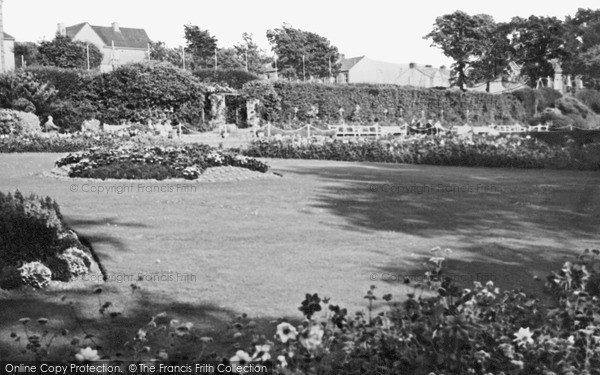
<point>153,162</point>
<point>36,246</point>
<point>475,330</point>
<point>473,151</point>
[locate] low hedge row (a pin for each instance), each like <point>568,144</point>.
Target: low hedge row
<point>471,151</point>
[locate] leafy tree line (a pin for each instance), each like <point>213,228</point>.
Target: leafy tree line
<point>483,49</point>
<point>299,54</point>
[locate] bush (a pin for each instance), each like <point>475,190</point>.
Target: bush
<point>34,274</point>
<point>16,87</point>
<point>581,115</point>
<point>234,78</point>
<point>137,92</point>
<point>33,232</point>
<point>18,123</point>
<point>591,98</point>
<point>475,151</point>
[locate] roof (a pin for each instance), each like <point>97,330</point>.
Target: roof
<point>8,37</point>
<point>126,37</point>
<point>347,64</point>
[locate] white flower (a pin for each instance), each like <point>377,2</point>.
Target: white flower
<point>240,358</point>
<point>262,352</point>
<point>87,355</point>
<point>282,361</point>
<point>285,332</point>
<point>313,339</point>
<point>524,336</point>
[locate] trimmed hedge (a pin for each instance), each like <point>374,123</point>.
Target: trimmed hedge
<point>281,101</point>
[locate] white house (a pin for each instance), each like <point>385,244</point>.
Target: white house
<point>9,54</point>
<point>119,45</point>
<point>364,70</point>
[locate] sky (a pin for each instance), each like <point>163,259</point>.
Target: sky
<point>384,30</point>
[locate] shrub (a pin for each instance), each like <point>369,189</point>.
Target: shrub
<point>234,78</point>
<point>137,92</point>
<point>34,274</point>
<point>591,98</point>
<point>18,123</point>
<point>66,267</point>
<point>476,151</point>
<point>33,232</point>
<point>23,85</point>
<point>581,115</point>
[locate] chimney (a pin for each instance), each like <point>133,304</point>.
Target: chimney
<point>62,30</point>
<point>412,65</point>
<point>115,27</point>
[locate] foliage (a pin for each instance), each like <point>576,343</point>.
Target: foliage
<point>234,78</point>
<point>452,329</point>
<point>137,92</point>
<point>23,85</point>
<point>589,97</point>
<point>384,102</point>
<point>18,123</point>
<point>63,52</point>
<point>583,46</point>
<point>475,151</point>
<point>153,162</point>
<point>466,39</point>
<point>201,46</point>
<point>252,56</point>
<point>303,54</point>
<point>160,52</point>
<point>28,51</point>
<point>34,239</point>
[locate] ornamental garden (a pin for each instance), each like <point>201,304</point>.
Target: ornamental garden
<point>147,230</point>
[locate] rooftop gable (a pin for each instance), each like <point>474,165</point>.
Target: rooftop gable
<point>124,37</point>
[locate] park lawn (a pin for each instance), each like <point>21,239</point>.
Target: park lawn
<point>210,252</point>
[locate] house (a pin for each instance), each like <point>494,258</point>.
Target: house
<point>364,70</point>
<point>119,45</point>
<point>9,54</point>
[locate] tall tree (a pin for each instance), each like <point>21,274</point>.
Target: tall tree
<point>160,52</point>
<point>252,56</point>
<point>534,42</point>
<point>303,54</point>
<point>467,40</point>
<point>201,45</point>
<point>64,52</point>
<point>583,46</point>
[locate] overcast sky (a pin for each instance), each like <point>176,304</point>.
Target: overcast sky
<point>383,30</point>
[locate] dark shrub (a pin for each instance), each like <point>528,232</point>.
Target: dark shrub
<point>234,78</point>
<point>591,98</point>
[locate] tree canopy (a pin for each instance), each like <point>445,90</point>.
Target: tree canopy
<point>303,54</point>
<point>63,52</point>
<point>483,49</point>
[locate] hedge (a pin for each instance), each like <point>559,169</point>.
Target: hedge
<point>389,103</point>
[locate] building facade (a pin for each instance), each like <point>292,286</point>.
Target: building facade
<point>119,45</point>
<point>364,70</point>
